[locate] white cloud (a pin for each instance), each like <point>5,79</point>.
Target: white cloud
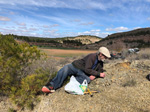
<point>118,29</point>
<point>21,24</point>
<point>45,26</point>
<point>33,29</point>
<point>12,13</point>
<point>136,28</point>
<point>125,5</point>
<point>73,4</point>
<point>2,18</point>
<point>94,32</point>
<point>51,31</point>
<point>33,15</point>
<point>76,20</point>
<point>98,30</point>
<point>50,26</point>
<point>86,24</point>
<point>22,27</point>
<point>87,32</point>
<point>54,25</point>
<point>148,18</point>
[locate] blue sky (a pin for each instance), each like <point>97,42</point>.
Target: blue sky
<point>61,18</point>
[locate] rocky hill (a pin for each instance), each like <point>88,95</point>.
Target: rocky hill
<point>124,89</point>
<point>136,38</point>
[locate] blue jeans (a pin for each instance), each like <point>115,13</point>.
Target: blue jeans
<point>66,71</point>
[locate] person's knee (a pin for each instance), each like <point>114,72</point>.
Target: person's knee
<point>66,67</point>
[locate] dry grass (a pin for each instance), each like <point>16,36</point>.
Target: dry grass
<point>124,89</point>
<point>143,54</point>
<point>62,53</point>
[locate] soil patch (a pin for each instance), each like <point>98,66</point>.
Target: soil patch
<point>63,53</point>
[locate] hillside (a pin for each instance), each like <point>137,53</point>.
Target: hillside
<point>64,42</point>
<point>136,38</point>
<point>124,89</point>
<point>85,39</point>
<point>139,38</point>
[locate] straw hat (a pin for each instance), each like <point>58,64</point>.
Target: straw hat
<point>104,51</point>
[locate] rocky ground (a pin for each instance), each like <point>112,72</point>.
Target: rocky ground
<point>124,89</point>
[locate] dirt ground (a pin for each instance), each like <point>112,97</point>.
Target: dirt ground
<point>62,53</point>
<point>124,89</point>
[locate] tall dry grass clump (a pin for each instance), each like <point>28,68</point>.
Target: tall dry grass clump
<point>144,53</point>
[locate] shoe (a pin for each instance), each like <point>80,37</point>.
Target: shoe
<point>148,77</point>
<point>47,89</point>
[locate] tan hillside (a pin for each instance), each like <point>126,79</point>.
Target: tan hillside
<point>86,39</point>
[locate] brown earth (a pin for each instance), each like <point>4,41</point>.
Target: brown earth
<point>62,53</point>
<point>124,89</point>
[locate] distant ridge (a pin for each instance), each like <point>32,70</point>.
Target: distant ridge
<point>136,38</point>
<point>118,41</point>
<point>85,39</point>
<point>64,42</point>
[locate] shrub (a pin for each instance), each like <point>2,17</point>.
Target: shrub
<point>144,54</point>
<point>14,59</point>
<point>31,85</point>
<point>15,80</point>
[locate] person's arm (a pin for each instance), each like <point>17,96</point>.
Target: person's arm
<point>102,75</point>
<point>89,61</point>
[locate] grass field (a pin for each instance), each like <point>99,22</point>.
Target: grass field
<point>62,53</point>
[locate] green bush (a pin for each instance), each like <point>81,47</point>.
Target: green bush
<point>15,58</point>
<point>30,86</point>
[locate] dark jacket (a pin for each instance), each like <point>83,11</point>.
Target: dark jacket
<point>85,64</point>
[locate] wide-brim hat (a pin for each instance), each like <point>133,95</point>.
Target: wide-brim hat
<point>104,51</point>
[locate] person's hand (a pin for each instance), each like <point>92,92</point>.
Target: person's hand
<point>102,75</point>
<point>92,77</point>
